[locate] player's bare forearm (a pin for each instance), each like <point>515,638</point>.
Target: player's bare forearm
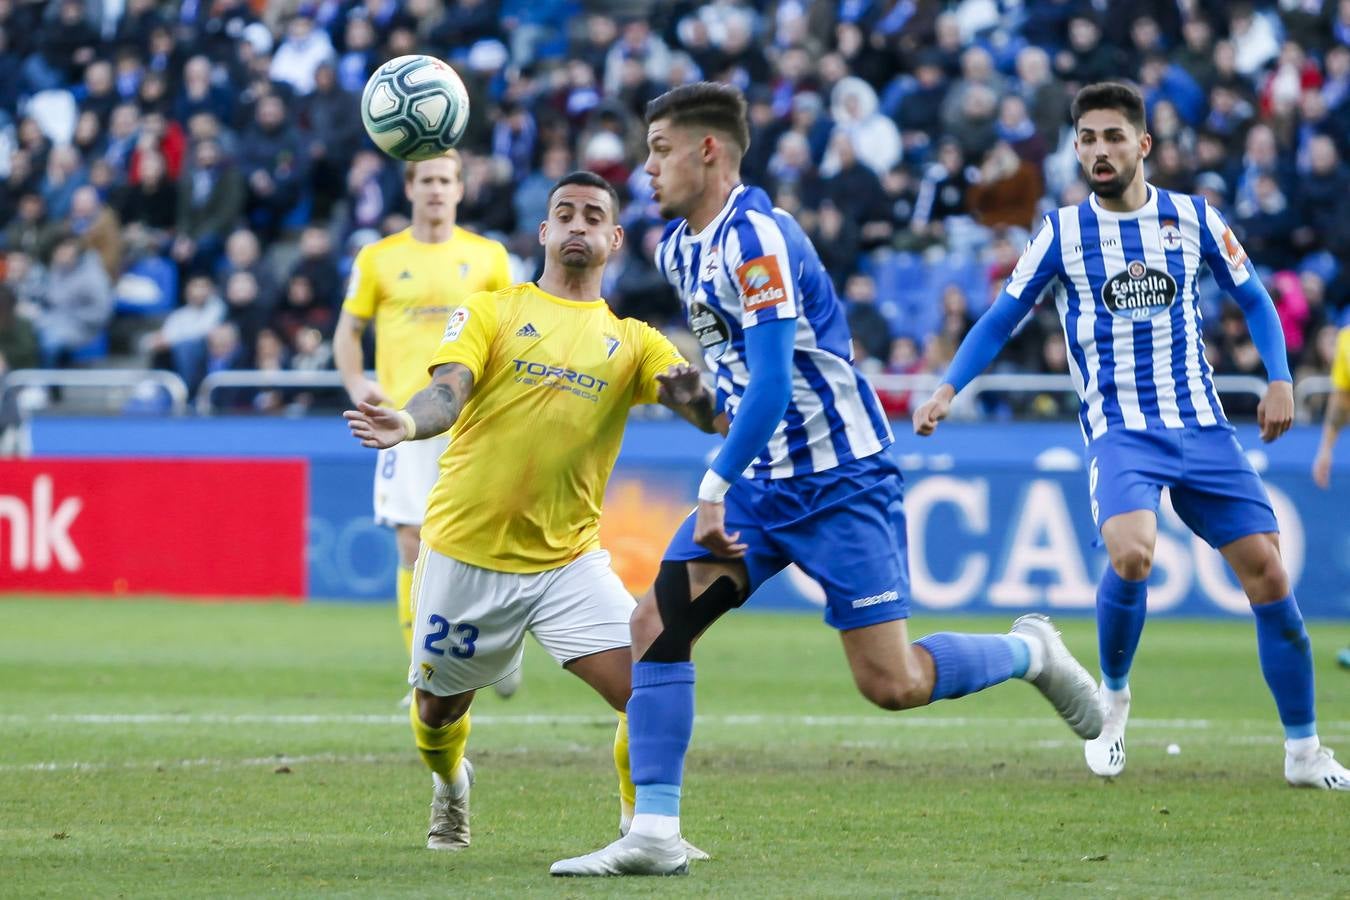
<point>436,407</point>
<point>1338,416</point>
<point>701,412</point>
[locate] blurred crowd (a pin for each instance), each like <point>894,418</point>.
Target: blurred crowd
<point>184,184</point>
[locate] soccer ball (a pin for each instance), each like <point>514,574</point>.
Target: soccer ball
<point>415,107</point>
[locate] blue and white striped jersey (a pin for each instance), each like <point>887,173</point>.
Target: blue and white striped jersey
<point>754,264</point>
<point>1125,287</point>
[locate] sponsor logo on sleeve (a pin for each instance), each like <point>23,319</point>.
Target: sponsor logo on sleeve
<point>458,319</point>
<point>761,284</point>
<point>1232,250</point>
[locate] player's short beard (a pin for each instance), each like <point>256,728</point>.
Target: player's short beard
<point>1113,189</point>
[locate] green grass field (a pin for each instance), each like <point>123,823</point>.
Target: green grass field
<point>162,749</point>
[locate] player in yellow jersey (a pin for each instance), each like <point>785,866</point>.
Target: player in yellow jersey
<point>1338,409</point>
<point>408,283</point>
<point>537,381</point>
<point>1338,415</point>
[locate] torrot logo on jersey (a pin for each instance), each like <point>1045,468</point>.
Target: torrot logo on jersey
<point>1139,292</point>
<point>588,387</point>
<point>761,284</point>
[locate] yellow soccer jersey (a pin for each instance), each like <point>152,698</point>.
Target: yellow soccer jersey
<point>1340,367</point>
<point>521,486</point>
<point>409,288</point>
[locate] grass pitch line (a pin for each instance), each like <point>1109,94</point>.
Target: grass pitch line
<point>533,719</point>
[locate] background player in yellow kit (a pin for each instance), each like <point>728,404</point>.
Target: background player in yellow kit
<point>408,283</point>
<point>537,381</point>
<point>1338,409</point>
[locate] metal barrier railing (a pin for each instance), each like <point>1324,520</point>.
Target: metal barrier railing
<point>922,383</point>
<point>98,379</point>
<point>264,380</point>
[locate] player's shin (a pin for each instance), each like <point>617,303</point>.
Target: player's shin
<point>1121,607</point>
<point>1286,662</point>
<point>627,792</point>
<point>661,718</point>
<point>442,749</point>
<point>966,663</point>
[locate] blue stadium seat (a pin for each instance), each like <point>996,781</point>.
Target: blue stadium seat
<point>149,287</point>
<point>95,350</point>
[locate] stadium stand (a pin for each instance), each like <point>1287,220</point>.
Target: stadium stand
<point>184,184</point>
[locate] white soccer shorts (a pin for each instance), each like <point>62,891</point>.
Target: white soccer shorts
<point>404,477</point>
<point>470,623</point>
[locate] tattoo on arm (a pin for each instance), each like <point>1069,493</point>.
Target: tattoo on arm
<point>436,407</point>
<point>700,411</point>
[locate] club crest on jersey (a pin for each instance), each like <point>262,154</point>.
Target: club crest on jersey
<point>611,344</point>
<point>428,671</point>
<point>458,319</point>
<point>710,328</point>
<point>1170,236</point>
<point>1139,292</point>
<point>761,284</point>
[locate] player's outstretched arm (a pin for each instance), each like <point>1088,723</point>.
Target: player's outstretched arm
<point>430,412</point>
<point>682,390</point>
<point>348,358</point>
<point>1275,413</point>
<point>1338,416</point>
<point>986,338</point>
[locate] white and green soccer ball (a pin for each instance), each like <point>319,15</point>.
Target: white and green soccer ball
<point>415,107</point>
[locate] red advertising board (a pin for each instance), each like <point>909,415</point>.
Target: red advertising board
<point>218,528</point>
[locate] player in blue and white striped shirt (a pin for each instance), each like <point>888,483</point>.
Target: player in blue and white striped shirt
<point>803,477</point>
<point>1124,265</point>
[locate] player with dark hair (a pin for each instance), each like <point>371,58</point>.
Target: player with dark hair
<point>1124,265</point>
<point>511,538</point>
<point>804,476</point>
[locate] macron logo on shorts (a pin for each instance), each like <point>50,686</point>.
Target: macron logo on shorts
<point>876,599</point>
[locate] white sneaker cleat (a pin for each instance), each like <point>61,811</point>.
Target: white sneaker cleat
<point>694,854</point>
<point>449,827</point>
<point>506,688</point>
<point>1318,769</point>
<point>1062,679</point>
<point>632,854</point>
<point>1105,753</point>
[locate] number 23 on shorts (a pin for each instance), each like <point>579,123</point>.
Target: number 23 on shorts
<point>465,635</point>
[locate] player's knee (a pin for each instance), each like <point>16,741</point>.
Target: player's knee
<point>1265,578</point>
<point>1133,562</point>
<point>645,624</point>
<point>437,712</point>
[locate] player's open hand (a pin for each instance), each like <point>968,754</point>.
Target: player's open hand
<point>710,531</point>
<point>1276,411</point>
<point>378,427</point>
<point>1321,471</point>
<point>927,417</point>
<point>680,385</point>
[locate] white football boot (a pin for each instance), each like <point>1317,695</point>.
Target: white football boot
<point>1318,769</point>
<point>694,854</point>
<point>632,854</point>
<point>1105,753</point>
<point>1061,678</point>
<point>449,827</point>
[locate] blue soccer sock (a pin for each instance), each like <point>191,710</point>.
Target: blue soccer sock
<point>660,723</point>
<point>1121,607</point>
<point>966,663</point>
<point>1286,662</point>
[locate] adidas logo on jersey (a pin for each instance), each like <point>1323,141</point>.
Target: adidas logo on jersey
<point>527,330</point>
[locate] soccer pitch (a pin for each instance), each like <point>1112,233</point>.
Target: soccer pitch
<point>166,749</point>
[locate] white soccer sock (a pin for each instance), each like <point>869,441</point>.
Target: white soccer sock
<point>652,825</point>
<point>1299,747</point>
<point>1112,696</point>
<point>457,786</point>
<point>1037,655</point>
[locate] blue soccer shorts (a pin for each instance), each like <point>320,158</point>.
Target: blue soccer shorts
<point>844,527</point>
<point>1214,488</point>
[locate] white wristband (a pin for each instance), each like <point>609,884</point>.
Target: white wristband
<point>409,424</point>
<point>713,488</point>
